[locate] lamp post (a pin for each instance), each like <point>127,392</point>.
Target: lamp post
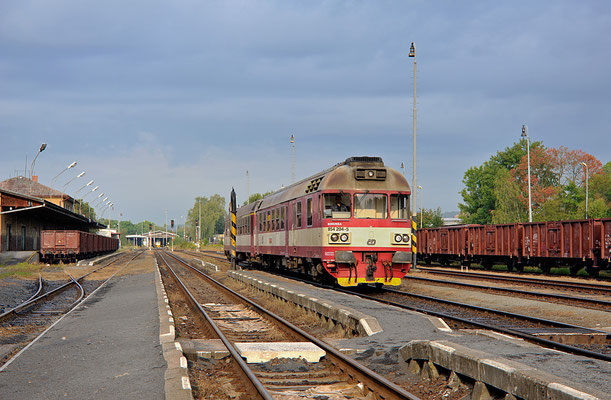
<point>42,148</point>
<point>81,188</point>
<point>83,199</point>
<point>403,169</point>
<point>412,54</point>
<point>62,171</point>
<point>421,209</point>
<point>530,206</point>
<point>91,206</point>
<point>586,166</point>
<point>67,183</point>
<point>293,160</point>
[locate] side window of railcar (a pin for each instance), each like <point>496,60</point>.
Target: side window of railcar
<point>309,211</point>
<point>282,217</point>
<point>298,213</point>
<point>267,221</point>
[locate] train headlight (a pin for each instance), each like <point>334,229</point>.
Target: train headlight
<point>334,237</point>
<point>344,237</point>
<point>400,238</point>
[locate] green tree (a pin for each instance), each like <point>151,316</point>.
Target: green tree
<point>508,207</point>
<point>479,199</point>
<point>256,196</point>
<point>430,218</point>
<point>213,212</point>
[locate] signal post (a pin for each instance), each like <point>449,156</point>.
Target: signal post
<point>232,205</point>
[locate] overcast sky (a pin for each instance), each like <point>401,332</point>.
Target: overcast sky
<point>161,101</point>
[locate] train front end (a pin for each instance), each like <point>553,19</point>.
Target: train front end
<point>366,226</point>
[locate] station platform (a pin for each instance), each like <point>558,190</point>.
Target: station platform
<point>108,347</point>
<point>389,329</point>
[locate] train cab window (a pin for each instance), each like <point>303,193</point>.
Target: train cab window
<point>370,205</point>
<point>282,217</point>
<point>337,205</point>
<point>309,211</point>
<point>268,219</point>
<point>298,214</point>
<point>260,221</point>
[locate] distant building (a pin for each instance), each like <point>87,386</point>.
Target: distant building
<point>28,207</point>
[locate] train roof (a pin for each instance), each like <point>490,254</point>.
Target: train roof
<point>355,173</point>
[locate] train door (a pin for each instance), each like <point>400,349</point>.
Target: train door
<point>251,232</point>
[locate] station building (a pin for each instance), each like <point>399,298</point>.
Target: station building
<point>154,239</point>
<point>28,207</point>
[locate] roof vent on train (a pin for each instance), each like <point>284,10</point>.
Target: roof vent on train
<point>314,184</point>
<point>365,160</point>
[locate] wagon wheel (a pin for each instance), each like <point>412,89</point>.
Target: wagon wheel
<point>592,270</point>
<point>487,265</point>
<point>519,267</point>
<point>574,269</point>
<point>545,267</point>
<point>511,265</point>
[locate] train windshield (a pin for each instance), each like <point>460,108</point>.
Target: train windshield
<point>399,206</point>
<point>369,205</point>
<point>337,205</point>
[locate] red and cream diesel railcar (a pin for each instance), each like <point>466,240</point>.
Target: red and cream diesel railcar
<point>350,222</point>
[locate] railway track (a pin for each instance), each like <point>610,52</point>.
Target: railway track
<point>333,369</point>
<point>582,287</point>
<point>21,322</point>
<point>593,303</point>
<point>552,334</point>
<point>547,333</point>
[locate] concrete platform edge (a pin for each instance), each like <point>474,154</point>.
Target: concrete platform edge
<point>177,384</point>
<point>511,377</point>
<point>351,319</point>
<point>98,260</point>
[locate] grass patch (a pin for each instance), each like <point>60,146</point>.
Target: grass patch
<point>21,270</point>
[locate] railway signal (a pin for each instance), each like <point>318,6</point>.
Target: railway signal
<point>233,228</point>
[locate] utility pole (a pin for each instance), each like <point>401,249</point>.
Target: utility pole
<point>199,229</point>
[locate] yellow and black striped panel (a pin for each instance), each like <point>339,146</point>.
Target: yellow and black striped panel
<point>414,241</point>
<point>233,234</point>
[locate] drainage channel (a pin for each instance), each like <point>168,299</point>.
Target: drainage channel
<point>245,329</point>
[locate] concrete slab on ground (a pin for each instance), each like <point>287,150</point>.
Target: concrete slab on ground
<point>16,257</point>
<point>262,352</point>
<point>108,348</point>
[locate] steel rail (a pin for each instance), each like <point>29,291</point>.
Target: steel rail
<point>526,336</point>
<point>82,292</point>
<point>532,338</point>
<point>33,300</point>
<point>573,299</point>
<point>568,285</point>
<point>365,375</point>
<point>256,383</point>
<point>40,285</point>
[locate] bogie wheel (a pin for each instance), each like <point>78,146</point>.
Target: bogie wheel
<point>545,268</point>
<point>574,269</point>
<point>592,271</point>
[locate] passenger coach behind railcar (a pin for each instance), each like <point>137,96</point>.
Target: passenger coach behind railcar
<point>350,222</point>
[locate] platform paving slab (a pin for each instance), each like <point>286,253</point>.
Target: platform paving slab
<point>107,348</point>
<point>399,327</point>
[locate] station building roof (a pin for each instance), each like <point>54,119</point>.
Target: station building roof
<point>13,202</point>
